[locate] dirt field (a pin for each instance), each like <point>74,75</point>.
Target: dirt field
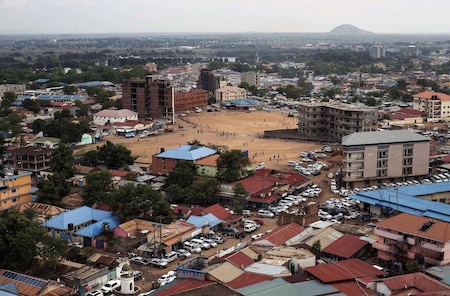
<point>234,129</point>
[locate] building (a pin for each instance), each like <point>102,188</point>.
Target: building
<point>153,97</point>
<point>150,67</point>
<point>109,116</point>
<point>436,106</point>
<point>15,189</point>
<point>31,158</point>
<point>407,237</point>
<point>164,162</point>
<point>377,52</point>
<point>207,80</point>
<point>372,158</point>
<point>228,93</point>
<point>16,88</point>
<point>332,121</point>
<point>253,78</point>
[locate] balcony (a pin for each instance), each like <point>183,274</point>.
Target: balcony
<point>381,247</point>
<point>411,241</point>
<point>387,234</point>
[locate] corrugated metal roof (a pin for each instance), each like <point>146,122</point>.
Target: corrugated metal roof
<point>407,199</point>
<point>275,271</point>
<point>346,246</point>
<point>187,152</point>
<point>225,272</point>
<point>240,260</point>
<point>97,228</point>
<point>269,288</point>
<point>315,287</point>
<point>182,285</point>
<point>280,235</point>
<point>343,270</point>
<point>416,280</point>
<point>383,137</point>
<point>76,217</point>
<point>353,288</point>
<point>247,279</point>
<point>206,220</point>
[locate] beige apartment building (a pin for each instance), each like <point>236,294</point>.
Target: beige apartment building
<point>435,105</point>
<point>227,93</point>
<point>332,121</point>
<point>373,158</point>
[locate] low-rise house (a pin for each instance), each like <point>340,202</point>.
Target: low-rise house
<point>282,235</point>
<point>47,142</point>
<point>221,213</point>
<point>345,247</point>
<point>110,116</point>
<point>43,211</point>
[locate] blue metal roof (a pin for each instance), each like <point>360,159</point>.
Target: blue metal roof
<point>407,199</point>
<point>315,287</point>
<point>97,228</point>
<point>244,102</point>
<point>42,80</point>
<point>77,216</point>
<point>187,152</point>
<point>93,83</point>
<point>206,220</point>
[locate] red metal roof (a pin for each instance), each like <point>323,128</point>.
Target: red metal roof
<point>346,246</point>
<point>343,270</point>
<point>281,234</point>
<point>351,287</point>
<point>240,260</point>
<point>416,280</point>
<point>183,285</point>
<point>218,211</point>
<point>247,279</point>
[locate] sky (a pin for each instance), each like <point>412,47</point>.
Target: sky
<point>212,16</point>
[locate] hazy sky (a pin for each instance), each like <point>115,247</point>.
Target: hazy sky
<point>124,16</point>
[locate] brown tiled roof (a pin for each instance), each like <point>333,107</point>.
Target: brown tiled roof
<point>84,170</point>
<point>240,260</point>
<point>121,173</point>
<point>429,94</point>
<point>218,211</point>
<point>411,224</point>
<point>32,150</point>
<point>73,200</point>
<point>343,270</point>
<point>209,160</point>
<point>346,246</point>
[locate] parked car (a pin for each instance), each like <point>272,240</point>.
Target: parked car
<point>136,274</point>
<point>201,243</point>
<point>249,227</point>
<point>158,262</point>
<point>170,257</point>
<point>167,278</point>
<point>265,214</point>
<point>246,213</point>
<point>140,260</point>
<point>110,286</point>
<point>218,239</point>
<point>147,293</point>
<point>183,253</point>
<point>75,245</point>
<point>95,293</point>
<point>192,248</point>
<point>230,230</point>
<point>210,241</point>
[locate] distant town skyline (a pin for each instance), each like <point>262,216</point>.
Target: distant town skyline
<point>206,16</point>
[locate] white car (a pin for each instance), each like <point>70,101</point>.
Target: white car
<point>110,286</point>
<point>210,241</point>
<point>167,278</point>
<point>95,293</point>
<point>183,253</point>
<point>265,214</point>
<point>260,166</point>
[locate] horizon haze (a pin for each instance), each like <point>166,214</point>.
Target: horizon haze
<point>202,16</point>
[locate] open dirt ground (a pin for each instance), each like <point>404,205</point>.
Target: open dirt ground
<point>234,129</point>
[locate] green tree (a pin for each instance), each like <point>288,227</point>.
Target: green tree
<point>115,155</point>
<point>232,165</point>
<point>412,266</point>
<point>88,158</point>
<point>98,186</point>
<point>182,175</point>
<point>316,248</point>
<point>70,89</point>
<point>63,161</point>
<point>240,194</point>
<point>22,240</point>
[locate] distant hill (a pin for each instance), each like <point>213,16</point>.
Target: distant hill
<point>348,30</point>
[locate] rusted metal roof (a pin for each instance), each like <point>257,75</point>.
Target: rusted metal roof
<point>343,270</point>
<point>346,246</point>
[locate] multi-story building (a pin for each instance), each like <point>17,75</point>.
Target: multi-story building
<point>207,80</point>
<point>436,106</point>
<point>373,158</point>
<point>377,52</point>
<point>227,93</point>
<point>153,97</point>
<point>332,121</point>
<point>407,237</point>
<point>17,88</point>
<point>151,67</point>
<point>253,78</point>
<point>15,189</point>
<point>31,158</point>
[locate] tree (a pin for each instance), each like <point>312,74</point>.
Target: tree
<point>62,160</point>
<point>98,185</point>
<point>53,188</point>
<point>115,155</point>
<point>88,158</point>
<point>239,197</point>
<point>232,165</point>
<point>70,89</point>
<point>316,248</point>
<point>412,266</point>
<point>182,175</point>
<point>22,240</point>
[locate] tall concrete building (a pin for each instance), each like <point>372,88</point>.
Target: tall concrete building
<point>377,52</point>
<point>153,97</point>
<point>332,121</point>
<point>373,158</point>
<point>435,105</point>
<point>253,78</point>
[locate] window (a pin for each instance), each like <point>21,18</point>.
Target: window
<point>382,154</point>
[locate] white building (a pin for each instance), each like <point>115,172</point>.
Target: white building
<point>113,115</point>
